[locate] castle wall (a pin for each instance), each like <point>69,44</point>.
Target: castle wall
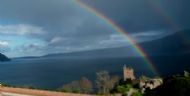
<point>128,73</point>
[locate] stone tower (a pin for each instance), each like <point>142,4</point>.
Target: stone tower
<point>128,73</point>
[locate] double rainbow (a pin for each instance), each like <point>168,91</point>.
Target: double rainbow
<point>124,33</point>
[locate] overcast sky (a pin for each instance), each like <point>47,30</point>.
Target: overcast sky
<point>38,27</point>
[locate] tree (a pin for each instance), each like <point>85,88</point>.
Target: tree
<point>82,86</point>
<point>123,89</point>
<point>186,74</point>
<point>114,80</point>
<point>85,85</point>
<point>102,82</point>
<point>144,78</point>
<point>137,94</point>
<point>74,86</point>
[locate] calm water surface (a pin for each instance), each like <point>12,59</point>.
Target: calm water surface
<point>54,72</point>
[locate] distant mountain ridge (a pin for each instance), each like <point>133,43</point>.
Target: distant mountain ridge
<point>99,53</point>
<point>3,58</point>
<point>176,43</point>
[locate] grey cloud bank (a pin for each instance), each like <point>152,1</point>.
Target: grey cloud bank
<point>51,26</point>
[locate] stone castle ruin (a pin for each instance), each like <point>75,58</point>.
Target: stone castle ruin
<point>144,82</point>
<point>128,73</point>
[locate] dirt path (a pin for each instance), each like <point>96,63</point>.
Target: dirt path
<point>12,94</point>
<point>32,92</point>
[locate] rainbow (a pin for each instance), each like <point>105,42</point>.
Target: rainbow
<point>167,17</point>
<point>161,12</point>
<point>124,33</point>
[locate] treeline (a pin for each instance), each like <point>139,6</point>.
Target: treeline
<point>104,83</point>
<point>176,85</point>
<point>83,85</point>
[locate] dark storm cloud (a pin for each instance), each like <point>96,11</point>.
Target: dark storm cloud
<point>139,15</point>
<point>57,17</point>
<point>61,23</point>
<point>64,26</point>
